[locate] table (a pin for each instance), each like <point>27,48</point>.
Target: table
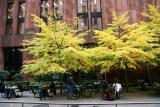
<point>10,92</point>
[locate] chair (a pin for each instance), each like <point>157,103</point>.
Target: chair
<point>76,91</point>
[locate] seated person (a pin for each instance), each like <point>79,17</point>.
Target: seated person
<point>106,94</point>
<point>96,85</point>
<point>76,90</point>
<point>52,88</point>
<point>2,89</point>
<point>104,85</point>
<point>20,87</point>
<point>43,92</point>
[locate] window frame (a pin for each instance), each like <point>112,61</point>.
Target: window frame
<point>83,15</point>
<point>9,21</point>
<point>91,14</point>
<point>61,11</point>
<point>21,20</point>
<point>41,9</point>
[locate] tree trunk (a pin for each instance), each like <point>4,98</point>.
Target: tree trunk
<point>148,75</point>
<point>61,85</point>
<point>105,76</point>
<point>126,80</point>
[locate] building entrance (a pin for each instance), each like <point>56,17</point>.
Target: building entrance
<point>12,59</point>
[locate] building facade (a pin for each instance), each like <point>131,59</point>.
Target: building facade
<point>16,22</point>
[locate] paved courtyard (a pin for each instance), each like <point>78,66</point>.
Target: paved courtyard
<point>127,100</point>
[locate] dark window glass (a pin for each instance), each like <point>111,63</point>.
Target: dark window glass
<point>44,8</point>
<point>97,23</point>
<point>21,29</point>
<point>83,24</point>
<point>9,28</point>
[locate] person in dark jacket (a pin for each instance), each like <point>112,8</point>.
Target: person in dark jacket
<point>43,92</point>
<point>70,84</point>
<point>52,88</point>
<point>2,88</point>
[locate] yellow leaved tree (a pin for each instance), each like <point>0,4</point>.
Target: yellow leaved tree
<point>123,46</point>
<point>56,48</point>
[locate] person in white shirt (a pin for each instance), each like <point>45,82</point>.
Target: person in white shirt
<point>117,87</point>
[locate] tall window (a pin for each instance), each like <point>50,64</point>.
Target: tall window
<point>58,6</point>
<point>44,8</point>
<point>95,16</point>
<point>22,7</point>
<point>21,18</point>
<point>83,15</point>
<point>9,19</point>
<point>95,5</point>
<point>97,23</point>
<point>82,6</point>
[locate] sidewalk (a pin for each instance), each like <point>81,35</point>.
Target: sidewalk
<point>131,97</point>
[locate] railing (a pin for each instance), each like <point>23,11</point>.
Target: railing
<point>28,104</point>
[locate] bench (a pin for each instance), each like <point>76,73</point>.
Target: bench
<point>156,88</point>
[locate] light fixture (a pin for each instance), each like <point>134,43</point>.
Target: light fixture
<point>82,24</point>
<point>61,3</point>
<point>55,4</point>
<point>47,4</point>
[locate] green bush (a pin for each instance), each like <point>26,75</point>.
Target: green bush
<point>17,77</point>
<point>4,75</point>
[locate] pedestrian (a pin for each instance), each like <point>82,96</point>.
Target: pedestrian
<point>117,88</point>
<point>70,84</point>
<point>2,88</point>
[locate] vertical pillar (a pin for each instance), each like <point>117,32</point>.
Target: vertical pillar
<point>106,6</point>
<point>15,17</point>
<point>3,17</point>
<point>15,22</point>
<point>69,7</point>
<point>51,7</point>
<point>1,59</point>
<point>33,7</point>
<point>89,15</point>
